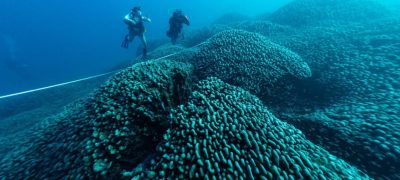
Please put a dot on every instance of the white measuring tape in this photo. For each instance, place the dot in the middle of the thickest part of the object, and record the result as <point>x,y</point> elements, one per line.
<point>83,79</point>
<point>56,85</point>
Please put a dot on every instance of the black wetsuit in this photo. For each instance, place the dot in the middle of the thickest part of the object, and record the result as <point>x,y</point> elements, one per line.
<point>175,26</point>
<point>135,22</point>
<point>137,28</point>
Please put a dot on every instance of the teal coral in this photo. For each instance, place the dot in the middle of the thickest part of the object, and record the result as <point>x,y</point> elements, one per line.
<point>198,36</point>
<point>231,18</point>
<point>130,110</point>
<point>141,123</point>
<point>355,75</point>
<point>316,12</point>
<point>164,50</point>
<point>54,149</point>
<point>356,81</point>
<point>171,52</point>
<point>265,28</point>
<point>248,60</point>
<point>225,132</point>
<point>113,129</point>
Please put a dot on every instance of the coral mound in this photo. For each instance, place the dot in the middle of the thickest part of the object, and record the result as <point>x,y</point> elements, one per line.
<point>353,95</point>
<point>171,52</point>
<point>248,60</point>
<point>130,110</point>
<point>225,132</point>
<point>164,50</point>
<point>117,128</point>
<point>231,18</point>
<point>195,37</point>
<point>314,12</point>
<point>266,28</point>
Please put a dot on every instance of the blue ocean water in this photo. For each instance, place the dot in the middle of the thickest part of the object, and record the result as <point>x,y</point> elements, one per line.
<point>290,89</point>
<point>47,42</point>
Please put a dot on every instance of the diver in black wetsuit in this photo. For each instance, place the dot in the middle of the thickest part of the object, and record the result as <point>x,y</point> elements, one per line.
<point>176,24</point>
<point>135,22</point>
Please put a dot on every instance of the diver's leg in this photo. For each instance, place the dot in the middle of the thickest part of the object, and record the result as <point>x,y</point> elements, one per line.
<point>173,40</point>
<point>143,39</point>
<point>144,42</point>
<point>131,36</point>
<point>174,37</point>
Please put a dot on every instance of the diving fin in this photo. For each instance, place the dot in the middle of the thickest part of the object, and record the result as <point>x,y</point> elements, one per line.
<point>125,42</point>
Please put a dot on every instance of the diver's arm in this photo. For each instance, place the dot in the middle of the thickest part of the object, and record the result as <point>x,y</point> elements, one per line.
<point>186,20</point>
<point>128,20</point>
<point>146,19</point>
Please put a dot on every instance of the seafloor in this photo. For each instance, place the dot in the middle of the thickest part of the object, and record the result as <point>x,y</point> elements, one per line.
<point>310,91</point>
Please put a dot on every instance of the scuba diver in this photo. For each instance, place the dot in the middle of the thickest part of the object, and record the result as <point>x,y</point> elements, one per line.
<point>175,25</point>
<point>135,22</point>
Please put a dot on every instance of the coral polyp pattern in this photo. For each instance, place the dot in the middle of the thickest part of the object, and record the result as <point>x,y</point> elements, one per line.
<point>224,132</point>
<point>310,91</point>
<point>248,60</point>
